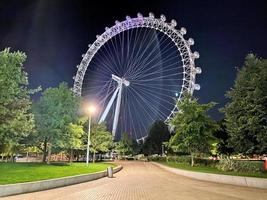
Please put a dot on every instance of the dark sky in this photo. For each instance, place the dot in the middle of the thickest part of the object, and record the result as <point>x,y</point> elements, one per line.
<point>55,33</point>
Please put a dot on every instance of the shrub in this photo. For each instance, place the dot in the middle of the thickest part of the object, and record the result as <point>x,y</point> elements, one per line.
<point>185,159</point>
<point>178,159</point>
<point>157,158</point>
<point>205,162</point>
<point>241,165</point>
<point>225,165</point>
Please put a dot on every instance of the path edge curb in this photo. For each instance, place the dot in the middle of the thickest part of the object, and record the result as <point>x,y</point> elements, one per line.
<point>20,188</point>
<point>218,178</point>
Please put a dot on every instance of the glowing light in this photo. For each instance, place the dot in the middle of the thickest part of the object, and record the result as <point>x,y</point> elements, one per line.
<point>91,109</point>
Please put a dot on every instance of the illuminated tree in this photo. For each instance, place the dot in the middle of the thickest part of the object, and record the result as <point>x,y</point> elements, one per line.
<point>16,121</point>
<point>246,112</point>
<point>56,109</point>
<point>193,127</point>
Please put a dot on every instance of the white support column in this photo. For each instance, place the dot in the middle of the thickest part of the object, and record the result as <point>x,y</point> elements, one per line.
<point>117,111</point>
<point>105,113</point>
<point>121,81</point>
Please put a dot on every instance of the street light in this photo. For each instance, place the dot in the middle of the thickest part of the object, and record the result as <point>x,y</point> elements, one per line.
<point>91,110</point>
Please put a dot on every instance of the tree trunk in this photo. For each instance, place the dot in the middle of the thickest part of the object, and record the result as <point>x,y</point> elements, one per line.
<point>44,150</point>
<point>192,160</point>
<point>27,156</point>
<point>71,156</point>
<point>49,145</point>
<point>94,157</point>
<point>13,158</point>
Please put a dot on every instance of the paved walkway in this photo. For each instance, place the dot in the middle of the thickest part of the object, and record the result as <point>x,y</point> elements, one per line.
<point>141,180</point>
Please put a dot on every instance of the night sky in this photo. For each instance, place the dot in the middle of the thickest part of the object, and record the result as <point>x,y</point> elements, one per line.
<point>55,33</point>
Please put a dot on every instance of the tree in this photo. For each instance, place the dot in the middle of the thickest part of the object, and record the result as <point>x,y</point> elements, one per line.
<point>125,145</point>
<point>101,139</point>
<point>16,121</point>
<point>71,138</point>
<point>158,133</point>
<point>136,147</point>
<point>27,144</point>
<point>246,112</point>
<point>56,109</point>
<point>193,127</point>
<point>223,137</point>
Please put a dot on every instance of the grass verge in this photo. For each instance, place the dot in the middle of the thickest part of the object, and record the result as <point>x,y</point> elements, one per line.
<point>26,172</point>
<point>208,169</point>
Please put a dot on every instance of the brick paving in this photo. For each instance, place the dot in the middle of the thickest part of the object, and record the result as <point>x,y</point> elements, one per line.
<point>142,180</point>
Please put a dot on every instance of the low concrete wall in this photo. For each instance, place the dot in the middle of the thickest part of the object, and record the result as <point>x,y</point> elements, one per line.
<point>19,188</point>
<point>219,178</point>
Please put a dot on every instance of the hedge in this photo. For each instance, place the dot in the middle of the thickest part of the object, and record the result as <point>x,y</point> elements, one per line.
<point>223,165</point>
<point>241,165</point>
<point>184,159</point>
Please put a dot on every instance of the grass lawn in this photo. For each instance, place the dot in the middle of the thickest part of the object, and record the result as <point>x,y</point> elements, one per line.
<point>214,170</point>
<point>26,172</point>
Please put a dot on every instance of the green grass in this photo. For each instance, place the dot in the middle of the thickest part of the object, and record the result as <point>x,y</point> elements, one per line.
<point>208,169</point>
<point>26,172</point>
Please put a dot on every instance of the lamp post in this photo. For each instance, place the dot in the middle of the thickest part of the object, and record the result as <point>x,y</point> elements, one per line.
<point>91,110</point>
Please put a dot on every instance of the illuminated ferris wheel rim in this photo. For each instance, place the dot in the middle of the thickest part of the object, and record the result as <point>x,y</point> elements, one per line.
<point>158,24</point>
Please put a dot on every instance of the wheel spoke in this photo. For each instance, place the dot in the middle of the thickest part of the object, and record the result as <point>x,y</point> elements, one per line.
<point>154,58</point>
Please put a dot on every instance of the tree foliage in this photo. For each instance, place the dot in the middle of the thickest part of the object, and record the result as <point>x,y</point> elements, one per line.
<point>246,112</point>
<point>71,139</point>
<point>221,134</point>
<point>101,139</point>
<point>16,120</point>
<point>193,127</point>
<point>56,109</point>
<point>125,145</point>
<point>158,133</point>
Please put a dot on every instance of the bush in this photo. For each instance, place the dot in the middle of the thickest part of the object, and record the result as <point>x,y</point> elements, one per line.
<point>205,162</point>
<point>241,165</point>
<point>185,159</point>
<point>157,158</point>
<point>225,165</point>
<point>179,159</point>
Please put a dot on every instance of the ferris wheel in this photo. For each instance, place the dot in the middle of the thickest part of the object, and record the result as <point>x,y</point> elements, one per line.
<point>135,71</point>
